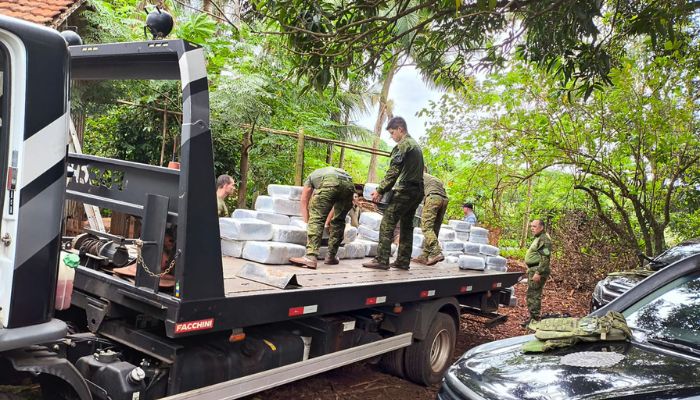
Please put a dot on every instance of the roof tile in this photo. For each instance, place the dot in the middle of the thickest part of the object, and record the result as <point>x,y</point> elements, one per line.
<point>40,11</point>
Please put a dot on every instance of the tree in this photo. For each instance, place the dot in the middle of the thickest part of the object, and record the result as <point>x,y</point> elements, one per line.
<point>632,148</point>
<point>579,40</point>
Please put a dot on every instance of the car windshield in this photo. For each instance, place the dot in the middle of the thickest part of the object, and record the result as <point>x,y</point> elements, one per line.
<point>674,254</point>
<point>670,315</point>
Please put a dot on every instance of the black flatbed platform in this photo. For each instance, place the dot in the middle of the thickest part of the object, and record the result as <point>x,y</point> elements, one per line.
<point>327,290</point>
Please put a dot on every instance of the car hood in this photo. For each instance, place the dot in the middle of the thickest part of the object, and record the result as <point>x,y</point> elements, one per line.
<point>505,372</point>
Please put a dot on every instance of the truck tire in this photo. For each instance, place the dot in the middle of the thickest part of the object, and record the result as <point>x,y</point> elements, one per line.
<point>425,361</point>
<point>392,363</point>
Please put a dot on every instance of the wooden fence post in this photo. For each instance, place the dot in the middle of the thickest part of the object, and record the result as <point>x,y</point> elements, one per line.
<point>299,171</point>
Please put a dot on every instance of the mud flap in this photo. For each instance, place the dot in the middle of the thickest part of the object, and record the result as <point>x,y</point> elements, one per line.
<point>39,360</point>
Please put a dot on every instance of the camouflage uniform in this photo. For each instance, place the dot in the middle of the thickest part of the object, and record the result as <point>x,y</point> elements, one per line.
<point>405,177</point>
<point>537,260</point>
<point>434,208</point>
<point>222,210</point>
<point>333,189</point>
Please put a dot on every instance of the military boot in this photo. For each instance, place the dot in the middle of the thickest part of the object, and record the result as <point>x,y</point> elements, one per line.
<point>421,259</point>
<point>402,266</point>
<point>331,260</point>
<point>435,260</point>
<point>376,264</point>
<point>306,261</point>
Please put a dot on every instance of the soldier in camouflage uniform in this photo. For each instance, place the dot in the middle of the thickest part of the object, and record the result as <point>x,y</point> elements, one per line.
<point>405,177</point>
<point>434,208</point>
<point>332,189</point>
<point>537,260</point>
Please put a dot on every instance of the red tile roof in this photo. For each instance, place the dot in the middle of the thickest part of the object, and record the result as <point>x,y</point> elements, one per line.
<point>46,12</point>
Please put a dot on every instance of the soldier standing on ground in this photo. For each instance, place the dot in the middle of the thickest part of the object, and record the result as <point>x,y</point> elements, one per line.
<point>434,208</point>
<point>225,187</point>
<point>405,177</point>
<point>332,189</point>
<point>537,260</point>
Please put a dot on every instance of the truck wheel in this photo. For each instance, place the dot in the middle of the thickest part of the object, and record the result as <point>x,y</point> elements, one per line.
<point>426,361</point>
<point>392,362</point>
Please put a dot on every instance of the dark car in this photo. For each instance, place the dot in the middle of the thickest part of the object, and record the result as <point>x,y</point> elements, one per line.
<point>661,361</point>
<point>612,286</point>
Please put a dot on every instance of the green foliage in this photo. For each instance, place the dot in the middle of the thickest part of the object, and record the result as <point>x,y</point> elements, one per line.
<point>630,151</point>
<point>579,41</point>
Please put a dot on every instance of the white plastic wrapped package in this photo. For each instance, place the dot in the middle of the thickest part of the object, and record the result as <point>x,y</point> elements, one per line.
<point>245,229</point>
<point>368,189</point>
<point>272,252</point>
<point>370,247</point>
<point>278,205</point>
<point>478,231</point>
<point>478,239</point>
<point>496,261</point>
<point>288,234</point>
<point>289,192</point>
<point>452,259</point>
<point>463,236</point>
<point>355,250</point>
<point>471,248</point>
<point>323,251</point>
<point>276,219</point>
<point>416,251</point>
<point>452,246</point>
<point>371,220</point>
<point>350,234</point>
<point>232,248</point>
<point>298,223</point>
<point>460,226</point>
<point>368,234</point>
<point>452,253</point>
<point>496,268</point>
<point>418,240</point>
<point>264,203</point>
<point>471,262</point>
<point>417,230</point>
<point>488,250</point>
<point>446,234</point>
<point>243,213</point>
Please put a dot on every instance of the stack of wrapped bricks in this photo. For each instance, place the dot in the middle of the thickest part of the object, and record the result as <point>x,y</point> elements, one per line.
<point>275,231</point>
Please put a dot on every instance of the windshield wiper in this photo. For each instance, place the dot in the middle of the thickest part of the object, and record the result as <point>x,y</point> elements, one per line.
<point>675,343</point>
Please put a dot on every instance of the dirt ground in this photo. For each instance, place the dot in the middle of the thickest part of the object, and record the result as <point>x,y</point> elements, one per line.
<point>364,381</point>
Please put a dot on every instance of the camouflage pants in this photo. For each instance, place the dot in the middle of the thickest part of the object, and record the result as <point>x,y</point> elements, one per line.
<point>534,293</point>
<point>401,209</point>
<point>434,209</point>
<point>336,195</point>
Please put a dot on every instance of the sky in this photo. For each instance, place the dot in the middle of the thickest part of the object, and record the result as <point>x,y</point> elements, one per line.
<point>410,95</point>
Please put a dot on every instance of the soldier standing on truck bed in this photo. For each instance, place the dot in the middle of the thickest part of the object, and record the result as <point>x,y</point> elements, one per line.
<point>434,208</point>
<point>332,189</point>
<point>405,177</point>
<point>537,260</point>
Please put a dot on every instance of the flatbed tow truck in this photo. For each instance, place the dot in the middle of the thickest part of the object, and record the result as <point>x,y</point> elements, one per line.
<point>228,328</point>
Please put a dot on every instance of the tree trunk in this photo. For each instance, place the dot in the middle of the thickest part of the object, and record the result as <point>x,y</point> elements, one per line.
<point>526,215</point>
<point>341,158</point>
<point>381,116</point>
<point>243,184</point>
<point>329,154</point>
<point>299,168</point>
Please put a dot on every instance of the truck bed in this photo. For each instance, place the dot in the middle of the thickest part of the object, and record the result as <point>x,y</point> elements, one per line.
<point>349,273</point>
<point>327,290</point>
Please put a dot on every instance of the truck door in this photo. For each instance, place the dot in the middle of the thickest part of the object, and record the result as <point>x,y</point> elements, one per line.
<point>33,146</point>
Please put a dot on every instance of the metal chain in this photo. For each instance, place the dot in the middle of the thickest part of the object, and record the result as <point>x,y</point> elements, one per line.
<point>139,260</point>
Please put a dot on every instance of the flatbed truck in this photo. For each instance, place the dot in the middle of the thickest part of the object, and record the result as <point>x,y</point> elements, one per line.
<point>228,328</point>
